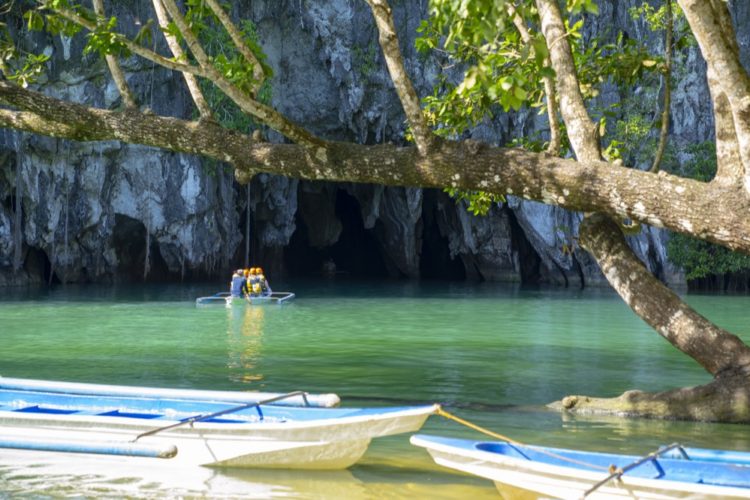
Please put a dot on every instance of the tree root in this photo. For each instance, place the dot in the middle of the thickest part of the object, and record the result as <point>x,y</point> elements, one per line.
<point>725,399</point>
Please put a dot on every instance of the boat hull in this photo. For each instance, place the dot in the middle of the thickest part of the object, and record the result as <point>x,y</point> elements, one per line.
<point>78,388</point>
<point>265,436</point>
<point>569,482</point>
<point>276,298</point>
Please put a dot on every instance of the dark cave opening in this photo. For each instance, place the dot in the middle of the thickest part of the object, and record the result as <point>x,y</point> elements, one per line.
<point>528,259</point>
<point>38,264</point>
<point>435,262</point>
<point>129,242</point>
<point>356,254</point>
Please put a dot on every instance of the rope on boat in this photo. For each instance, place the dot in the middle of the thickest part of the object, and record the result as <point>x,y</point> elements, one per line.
<point>470,425</point>
<point>495,435</point>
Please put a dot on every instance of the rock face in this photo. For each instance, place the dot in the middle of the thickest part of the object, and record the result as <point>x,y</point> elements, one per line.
<point>74,212</point>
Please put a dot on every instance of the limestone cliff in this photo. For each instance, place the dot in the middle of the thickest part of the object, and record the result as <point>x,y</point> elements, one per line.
<point>73,212</point>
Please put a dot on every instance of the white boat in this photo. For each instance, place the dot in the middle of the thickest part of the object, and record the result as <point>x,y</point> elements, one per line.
<point>192,432</point>
<point>224,298</point>
<point>58,387</point>
<point>522,471</point>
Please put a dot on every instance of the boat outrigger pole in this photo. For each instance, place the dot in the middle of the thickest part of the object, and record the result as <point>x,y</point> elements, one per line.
<point>616,473</point>
<point>207,416</point>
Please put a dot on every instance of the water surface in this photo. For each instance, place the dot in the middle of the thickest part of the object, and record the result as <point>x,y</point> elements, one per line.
<point>493,354</point>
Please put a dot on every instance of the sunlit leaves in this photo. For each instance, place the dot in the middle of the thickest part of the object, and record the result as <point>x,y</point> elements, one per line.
<point>105,40</point>
<point>656,19</point>
<point>226,58</point>
<point>22,68</point>
<point>501,72</point>
<point>478,202</point>
<point>582,6</point>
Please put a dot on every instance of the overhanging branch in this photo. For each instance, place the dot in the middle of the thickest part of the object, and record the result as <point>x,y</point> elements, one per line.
<point>423,135</point>
<point>661,200</point>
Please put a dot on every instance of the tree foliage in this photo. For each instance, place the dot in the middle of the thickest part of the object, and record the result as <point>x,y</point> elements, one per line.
<point>698,258</point>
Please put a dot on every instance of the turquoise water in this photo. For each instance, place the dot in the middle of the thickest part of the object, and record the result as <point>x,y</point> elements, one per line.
<point>493,354</point>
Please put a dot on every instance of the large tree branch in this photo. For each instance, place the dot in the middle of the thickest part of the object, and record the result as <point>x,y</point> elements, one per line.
<point>711,24</point>
<point>423,136</point>
<point>582,132</point>
<point>264,113</point>
<point>664,132</point>
<point>114,66</point>
<point>174,47</point>
<point>729,170</point>
<point>661,200</point>
<point>553,108</point>
<point>714,348</point>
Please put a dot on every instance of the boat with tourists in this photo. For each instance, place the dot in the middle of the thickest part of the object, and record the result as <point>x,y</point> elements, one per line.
<point>185,427</point>
<point>524,471</point>
<point>226,299</point>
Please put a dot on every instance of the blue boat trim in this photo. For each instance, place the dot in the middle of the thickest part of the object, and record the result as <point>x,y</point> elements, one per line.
<point>710,467</point>
<point>168,409</point>
<point>129,414</point>
<point>40,409</point>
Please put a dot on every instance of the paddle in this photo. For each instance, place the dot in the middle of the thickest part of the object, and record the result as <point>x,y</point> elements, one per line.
<point>245,406</point>
<point>617,473</point>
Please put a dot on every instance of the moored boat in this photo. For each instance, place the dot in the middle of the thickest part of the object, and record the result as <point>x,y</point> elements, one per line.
<point>196,432</point>
<point>537,471</point>
<point>55,387</point>
<point>224,298</point>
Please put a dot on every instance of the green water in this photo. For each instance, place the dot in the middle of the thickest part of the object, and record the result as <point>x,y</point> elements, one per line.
<point>493,354</point>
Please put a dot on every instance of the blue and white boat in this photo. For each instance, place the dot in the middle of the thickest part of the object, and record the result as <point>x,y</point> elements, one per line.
<point>225,299</point>
<point>523,471</point>
<point>181,428</point>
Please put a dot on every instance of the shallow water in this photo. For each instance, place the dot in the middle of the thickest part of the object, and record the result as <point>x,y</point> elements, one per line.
<point>492,354</point>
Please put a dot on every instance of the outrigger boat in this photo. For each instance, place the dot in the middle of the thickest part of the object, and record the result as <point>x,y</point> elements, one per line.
<point>186,429</point>
<point>224,298</point>
<point>523,471</point>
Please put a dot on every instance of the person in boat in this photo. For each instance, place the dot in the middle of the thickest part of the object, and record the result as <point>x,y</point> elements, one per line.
<point>253,284</point>
<point>246,283</point>
<point>265,288</point>
<point>237,284</point>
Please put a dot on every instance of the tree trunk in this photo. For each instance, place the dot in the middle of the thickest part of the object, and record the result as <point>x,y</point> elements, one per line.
<point>722,354</point>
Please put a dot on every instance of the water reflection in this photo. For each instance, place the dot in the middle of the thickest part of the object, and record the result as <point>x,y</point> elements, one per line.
<point>641,436</point>
<point>244,339</point>
<point>39,475</point>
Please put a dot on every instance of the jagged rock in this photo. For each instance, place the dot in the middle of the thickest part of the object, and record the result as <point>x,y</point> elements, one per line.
<point>188,215</point>
<point>7,247</point>
<point>483,243</point>
<point>400,230</point>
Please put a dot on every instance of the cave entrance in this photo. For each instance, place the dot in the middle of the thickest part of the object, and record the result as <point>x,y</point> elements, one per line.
<point>129,242</point>
<point>356,254</point>
<point>435,262</point>
<point>528,259</point>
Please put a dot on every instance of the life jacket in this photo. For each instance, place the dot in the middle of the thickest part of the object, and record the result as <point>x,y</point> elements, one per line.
<point>253,285</point>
